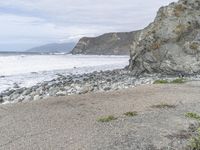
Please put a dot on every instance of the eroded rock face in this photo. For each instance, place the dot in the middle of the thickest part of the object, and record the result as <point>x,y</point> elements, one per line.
<point>171,44</point>
<point>107,44</point>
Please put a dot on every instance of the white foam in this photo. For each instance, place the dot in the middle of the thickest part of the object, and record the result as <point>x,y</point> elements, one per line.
<point>28,70</point>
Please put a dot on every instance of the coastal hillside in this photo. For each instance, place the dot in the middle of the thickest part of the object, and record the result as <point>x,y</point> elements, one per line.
<point>53,48</point>
<point>171,44</point>
<point>106,44</point>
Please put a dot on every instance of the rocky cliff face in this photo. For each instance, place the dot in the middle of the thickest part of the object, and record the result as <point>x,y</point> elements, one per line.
<point>171,44</point>
<point>107,44</point>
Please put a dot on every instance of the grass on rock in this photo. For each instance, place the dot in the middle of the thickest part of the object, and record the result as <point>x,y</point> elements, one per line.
<point>131,114</point>
<point>160,82</point>
<point>194,46</point>
<point>176,81</point>
<point>195,141</point>
<point>193,116</point>
<point>107,118</point>
<point>163,106</point>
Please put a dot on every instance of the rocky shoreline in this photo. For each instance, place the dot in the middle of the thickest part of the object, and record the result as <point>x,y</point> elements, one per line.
<point>79,84</point>
<point>76,84</point>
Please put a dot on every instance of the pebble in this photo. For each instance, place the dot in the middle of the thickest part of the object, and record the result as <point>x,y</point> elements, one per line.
<point>61,93</point>
<point>36,97</point>
<point>75,84</point>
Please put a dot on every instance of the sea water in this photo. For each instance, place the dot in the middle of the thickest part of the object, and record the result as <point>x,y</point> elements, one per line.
<point>27,70</point>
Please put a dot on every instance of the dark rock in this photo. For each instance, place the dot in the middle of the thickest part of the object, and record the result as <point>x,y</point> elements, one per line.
<point>109,80</point>
<point>16,86</point>
<point>8,92</point>
<point>19,91</point>
<point>27,92</point>
<point>1,99</point>
<point>107,89</point>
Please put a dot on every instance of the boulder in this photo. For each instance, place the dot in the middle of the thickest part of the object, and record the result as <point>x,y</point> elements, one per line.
<point>61,93</point>
<point>85,89</point>
<point>171,44</point>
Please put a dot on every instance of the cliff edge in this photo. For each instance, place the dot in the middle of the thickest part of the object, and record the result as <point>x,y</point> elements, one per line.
<point>106,44</point>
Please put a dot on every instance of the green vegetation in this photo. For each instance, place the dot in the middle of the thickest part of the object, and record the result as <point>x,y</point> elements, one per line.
<point>195,141</point>
<point>131,114</point>
<point>194,46</point>
<point>193,116</point>
<point>106,119</point>
<point>161,82</point>
<point>163,106</point>
<point>176,81</point>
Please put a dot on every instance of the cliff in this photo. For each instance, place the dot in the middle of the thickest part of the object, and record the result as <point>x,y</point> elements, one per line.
<point>107,44</point>
<point>171,44</point>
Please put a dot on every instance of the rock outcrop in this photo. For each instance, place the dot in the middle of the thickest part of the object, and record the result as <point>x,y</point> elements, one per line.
<point>107,44</point>
<point>171,44</point>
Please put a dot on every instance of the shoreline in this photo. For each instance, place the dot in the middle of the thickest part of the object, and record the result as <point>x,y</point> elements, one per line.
<point>79,84</point>
<point>16,69</point>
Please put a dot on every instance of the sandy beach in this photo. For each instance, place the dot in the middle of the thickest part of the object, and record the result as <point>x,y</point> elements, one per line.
<point>87,75</point>
<point>72,122</point>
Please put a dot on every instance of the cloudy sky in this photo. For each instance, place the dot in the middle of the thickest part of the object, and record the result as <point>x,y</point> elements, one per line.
<point>28,23</point>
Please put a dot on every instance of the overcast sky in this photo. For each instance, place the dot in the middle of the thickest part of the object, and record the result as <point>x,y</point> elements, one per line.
<point>28,23</point>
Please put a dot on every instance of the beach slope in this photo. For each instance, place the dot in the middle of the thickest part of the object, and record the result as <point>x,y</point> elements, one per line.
<point>80,122</point>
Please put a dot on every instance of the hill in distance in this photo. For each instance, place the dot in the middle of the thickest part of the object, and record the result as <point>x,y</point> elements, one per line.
<point>53,48</point>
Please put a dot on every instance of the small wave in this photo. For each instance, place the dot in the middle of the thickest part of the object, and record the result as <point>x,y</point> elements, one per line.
<point>34,72</point>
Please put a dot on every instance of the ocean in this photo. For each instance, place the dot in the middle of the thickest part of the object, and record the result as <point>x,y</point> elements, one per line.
<point>28,69</point>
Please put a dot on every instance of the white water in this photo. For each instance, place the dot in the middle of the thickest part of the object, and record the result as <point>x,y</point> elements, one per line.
<point>28,70</point>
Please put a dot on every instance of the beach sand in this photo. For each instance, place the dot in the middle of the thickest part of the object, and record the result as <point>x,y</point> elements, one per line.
<point>71,122</point>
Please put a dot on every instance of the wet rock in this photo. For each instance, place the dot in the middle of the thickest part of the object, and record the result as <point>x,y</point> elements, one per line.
<point>27,92</point>
<point>79,84</point>
<point>6,98</point>
<point>107,88</point>
<point>1,99</point>
<point>14,96</point>
<point>8,92</point>
<point>16,86</point>
<point>108,80</point>
<point>19,91</point>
